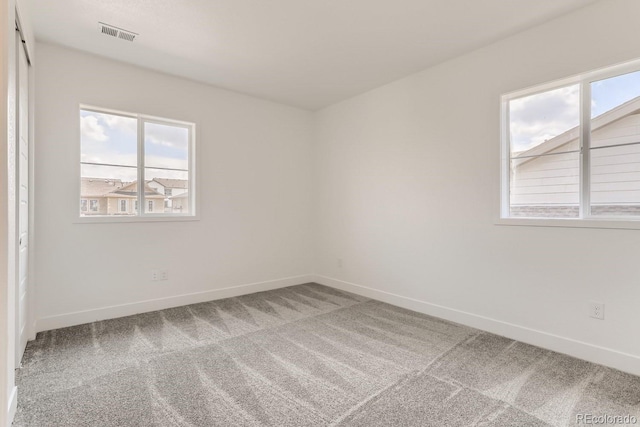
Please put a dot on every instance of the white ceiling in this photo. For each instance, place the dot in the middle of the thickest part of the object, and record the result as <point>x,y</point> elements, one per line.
<point>306,53</point>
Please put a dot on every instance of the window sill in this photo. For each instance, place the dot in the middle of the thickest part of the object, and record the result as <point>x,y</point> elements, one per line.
<point>623,224</point>
<point>119,219</point>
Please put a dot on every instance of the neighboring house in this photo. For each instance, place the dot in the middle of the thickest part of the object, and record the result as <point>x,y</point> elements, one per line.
<point>549,185</point>
<point>92,195</point>
<point>180,203</point>
<point>169,188</point>
<point>99,196</point>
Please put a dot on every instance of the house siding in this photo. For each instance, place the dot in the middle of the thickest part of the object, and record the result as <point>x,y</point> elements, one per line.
<point>548,186</point>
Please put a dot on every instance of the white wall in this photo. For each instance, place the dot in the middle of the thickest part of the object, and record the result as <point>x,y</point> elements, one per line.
<point>407,194</point>
<point>254,184</point>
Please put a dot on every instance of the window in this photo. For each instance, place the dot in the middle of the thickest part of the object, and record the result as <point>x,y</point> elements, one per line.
<point>120,150</point>
<point>83,205</point>
<point>572,149</point>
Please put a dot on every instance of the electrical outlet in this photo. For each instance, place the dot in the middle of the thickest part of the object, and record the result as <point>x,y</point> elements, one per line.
<point>596,310</point>
<point>164,274</point>
<point>155,275</point>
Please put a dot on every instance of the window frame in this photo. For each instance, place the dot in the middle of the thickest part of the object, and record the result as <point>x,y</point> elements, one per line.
<point>585,218</point>
<point>140,215</point>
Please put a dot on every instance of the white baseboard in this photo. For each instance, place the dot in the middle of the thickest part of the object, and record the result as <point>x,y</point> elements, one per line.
<point>582,350</point>
<point>13,405</point>
<point>112,312</point>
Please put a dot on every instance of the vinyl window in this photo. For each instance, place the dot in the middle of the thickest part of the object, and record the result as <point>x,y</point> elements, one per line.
<point>571,149</point>
<point>119,150</point>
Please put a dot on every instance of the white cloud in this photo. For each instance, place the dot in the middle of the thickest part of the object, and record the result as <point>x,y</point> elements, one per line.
<point>537,118</point>
<point>167,136</point>
<point>91,129</point>
<point>165,174</point>
<point>165,162</point>
<point>125,125</point>
<point>111,139</point>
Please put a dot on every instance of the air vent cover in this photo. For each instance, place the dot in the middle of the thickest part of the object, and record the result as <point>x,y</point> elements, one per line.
<point>110,30</point>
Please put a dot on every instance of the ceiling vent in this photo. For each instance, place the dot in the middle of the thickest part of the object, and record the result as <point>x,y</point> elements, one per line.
<point>110,30</point>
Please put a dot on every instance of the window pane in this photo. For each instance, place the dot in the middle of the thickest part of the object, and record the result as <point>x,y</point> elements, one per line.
<point>108,139</point>
<point>615,181</point>
<point>545,186</point>
<point>168,189</point>
<point>104,187</point>
<point>166,146</point>
<point>546,122</point>
<point>615,146</point>
<point>615,105</point>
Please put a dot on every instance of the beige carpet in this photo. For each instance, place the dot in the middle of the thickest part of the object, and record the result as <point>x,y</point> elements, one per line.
<point>305,355</point>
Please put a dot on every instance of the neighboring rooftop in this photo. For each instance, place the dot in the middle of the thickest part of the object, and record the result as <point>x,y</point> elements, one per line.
<point>131,190</point>
<point>98,187</point>
<point>184,195</point>
<point>172,183</point>
<point>101,187</point>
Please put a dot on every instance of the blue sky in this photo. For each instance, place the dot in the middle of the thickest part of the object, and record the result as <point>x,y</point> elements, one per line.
<point>609,93</point>
<point>112,139</point>
<point>537,118</point>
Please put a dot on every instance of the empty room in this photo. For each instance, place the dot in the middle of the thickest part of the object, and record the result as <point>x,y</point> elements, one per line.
<point>320,213</point>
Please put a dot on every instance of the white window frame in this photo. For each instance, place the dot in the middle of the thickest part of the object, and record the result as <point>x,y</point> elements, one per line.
<point>126,206</point>
<point>140,215</point>
<point>97,209</point>
<point>84,202</point>
<point>585,219</point>
<point>150,205</point>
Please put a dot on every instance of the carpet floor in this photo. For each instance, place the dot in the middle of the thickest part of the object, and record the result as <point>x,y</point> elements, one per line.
<point>305,355</point>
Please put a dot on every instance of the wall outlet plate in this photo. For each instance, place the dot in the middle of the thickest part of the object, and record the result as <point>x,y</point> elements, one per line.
<point>596,310</point>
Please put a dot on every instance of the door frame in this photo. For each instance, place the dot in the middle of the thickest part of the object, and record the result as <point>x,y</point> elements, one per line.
<point>28,306</point>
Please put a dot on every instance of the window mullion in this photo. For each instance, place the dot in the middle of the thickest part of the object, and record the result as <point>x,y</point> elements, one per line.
<point>585,149</point>
<point>192,171</point>
<point>140,167</point>
<point>505,187</point>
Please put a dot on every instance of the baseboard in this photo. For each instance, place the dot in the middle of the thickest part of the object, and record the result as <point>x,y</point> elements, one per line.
<point>112,312</point>
<point>581,350</point>
<point>13,405</point>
